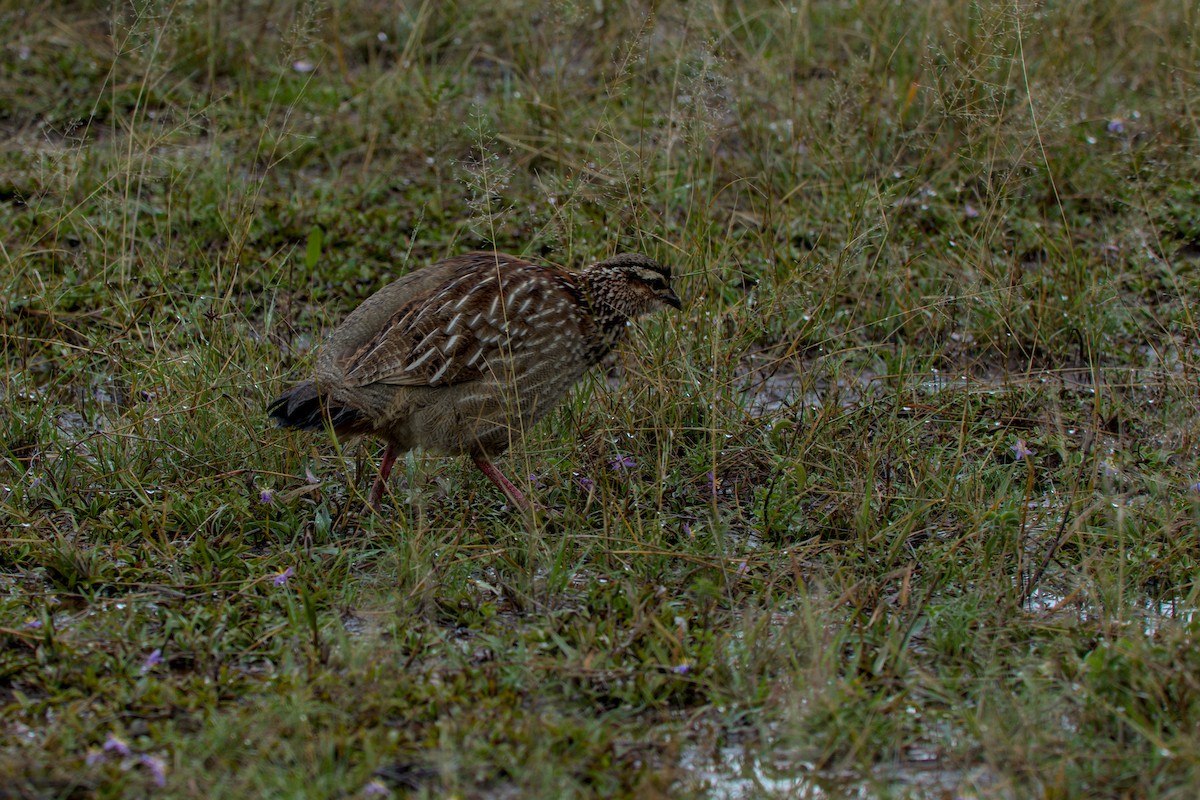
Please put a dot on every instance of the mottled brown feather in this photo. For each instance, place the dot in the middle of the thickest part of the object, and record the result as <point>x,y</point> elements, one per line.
<point>463,356</point>
<point>459,331</point>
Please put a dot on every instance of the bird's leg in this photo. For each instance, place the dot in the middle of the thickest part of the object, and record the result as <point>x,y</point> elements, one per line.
<point>385,469</point>
<point>506,486</point>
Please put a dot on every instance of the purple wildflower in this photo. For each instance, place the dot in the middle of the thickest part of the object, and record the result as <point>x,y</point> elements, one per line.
<point>536,483</point>
<point>115,744</point>
<point>282,577</point>
<point>624,462</point>
<point>33,623</point>
<point>688,530</point>
<point>1195,487</point>
<point>266,497</point>
<point>158,769</point>
<point>586,483</point>
<point>152,661</point>
<point>1021,450</point>
<point>970,211</point>
<point>714,483</point>
<point>682,668</point>
<point>95,757</point>
<point>1115,126</point>
<point>376,789</point>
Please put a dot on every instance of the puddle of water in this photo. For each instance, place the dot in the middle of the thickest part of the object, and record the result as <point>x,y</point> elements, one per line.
<point>733,773</point>
<point>1151,614</point>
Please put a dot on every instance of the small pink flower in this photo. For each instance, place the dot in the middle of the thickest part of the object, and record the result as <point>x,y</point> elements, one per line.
<point>115,744</point>
<point>157,769</point>
<point>1021,450</point>
<point>152,661</point>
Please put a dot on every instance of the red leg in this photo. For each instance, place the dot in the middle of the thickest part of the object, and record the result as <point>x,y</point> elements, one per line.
<point>385,469</point>
<point>493,474</point>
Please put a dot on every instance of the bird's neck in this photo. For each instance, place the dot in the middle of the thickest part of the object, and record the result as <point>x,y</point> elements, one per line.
<point>601,298</point>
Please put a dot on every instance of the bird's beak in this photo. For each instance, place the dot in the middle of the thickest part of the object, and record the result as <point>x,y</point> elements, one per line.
<point>670,298</point>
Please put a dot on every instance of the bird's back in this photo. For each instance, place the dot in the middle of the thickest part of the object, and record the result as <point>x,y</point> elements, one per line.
<point>463,355</point>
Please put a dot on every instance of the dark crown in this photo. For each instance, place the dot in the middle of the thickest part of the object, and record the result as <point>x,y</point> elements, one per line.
<point>635,261</point>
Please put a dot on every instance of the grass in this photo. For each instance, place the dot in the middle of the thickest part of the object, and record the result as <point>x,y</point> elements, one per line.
<point>901,505</point>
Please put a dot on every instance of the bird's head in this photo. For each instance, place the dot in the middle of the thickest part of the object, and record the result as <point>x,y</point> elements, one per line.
<point>631,284</point>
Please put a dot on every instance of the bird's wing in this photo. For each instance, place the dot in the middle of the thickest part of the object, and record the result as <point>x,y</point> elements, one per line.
<point>465,328</point>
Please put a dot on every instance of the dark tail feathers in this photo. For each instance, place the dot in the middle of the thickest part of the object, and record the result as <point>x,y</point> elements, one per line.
<point>304,407</point>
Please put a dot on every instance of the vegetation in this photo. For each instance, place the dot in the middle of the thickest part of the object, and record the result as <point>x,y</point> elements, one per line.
<point>903,504</point>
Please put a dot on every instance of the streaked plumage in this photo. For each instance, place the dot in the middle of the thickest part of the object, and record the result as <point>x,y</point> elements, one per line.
<point>464,355</point>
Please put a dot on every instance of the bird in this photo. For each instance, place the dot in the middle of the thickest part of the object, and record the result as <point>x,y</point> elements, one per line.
<point>460,357</point>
